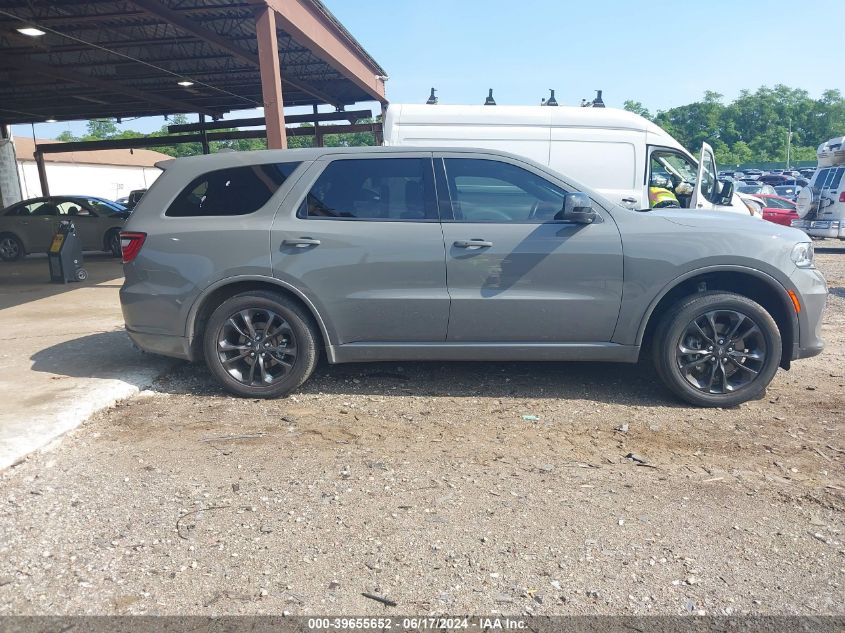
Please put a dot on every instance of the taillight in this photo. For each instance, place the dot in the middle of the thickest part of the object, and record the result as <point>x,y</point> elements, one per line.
<point>130,245</point>
<point>842,197</point>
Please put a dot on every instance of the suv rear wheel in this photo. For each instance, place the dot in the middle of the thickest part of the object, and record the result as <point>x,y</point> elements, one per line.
<point>717,349</point>
<point>260,345</point>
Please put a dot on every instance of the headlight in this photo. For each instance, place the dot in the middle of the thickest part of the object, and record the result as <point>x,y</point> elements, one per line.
<point>803,255</point>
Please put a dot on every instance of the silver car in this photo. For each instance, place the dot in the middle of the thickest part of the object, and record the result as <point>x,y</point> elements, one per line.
<point>260,262</point>
<point>29,226</point>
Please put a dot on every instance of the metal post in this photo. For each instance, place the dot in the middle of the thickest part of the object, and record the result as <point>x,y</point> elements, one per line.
<point>42,172</point>
<point>379,133</point>
<point>204,134</point>
<point>318,136</point>
<point>271,77</point>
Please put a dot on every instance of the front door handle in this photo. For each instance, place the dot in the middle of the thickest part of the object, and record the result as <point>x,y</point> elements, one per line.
<point>473,244</point>
<point>302,242</point>
<point>630,200</point>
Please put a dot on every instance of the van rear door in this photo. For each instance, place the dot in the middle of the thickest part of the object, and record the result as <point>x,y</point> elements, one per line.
<point>706,186</point>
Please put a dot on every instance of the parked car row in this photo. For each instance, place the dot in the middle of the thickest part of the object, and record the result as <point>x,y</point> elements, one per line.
<point>782,182</point>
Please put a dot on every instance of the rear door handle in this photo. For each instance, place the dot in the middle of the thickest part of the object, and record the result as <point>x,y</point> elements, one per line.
<point>302,242</point>
<point>473,244</point>
<point>630,200</point>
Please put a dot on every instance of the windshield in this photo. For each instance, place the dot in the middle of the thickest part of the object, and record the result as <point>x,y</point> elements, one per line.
<point>677,165</point>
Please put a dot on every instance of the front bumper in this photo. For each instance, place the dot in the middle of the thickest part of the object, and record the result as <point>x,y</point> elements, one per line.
<point>811,289</point>
<point>821,228</point>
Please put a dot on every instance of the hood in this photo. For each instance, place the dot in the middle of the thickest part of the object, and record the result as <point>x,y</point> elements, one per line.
<point>730,221</point>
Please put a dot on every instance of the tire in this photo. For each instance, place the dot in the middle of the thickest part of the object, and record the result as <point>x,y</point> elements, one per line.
<point>717,375</point>
<point>242,360</point>
<point>11,248</point>
<point>111,243</point>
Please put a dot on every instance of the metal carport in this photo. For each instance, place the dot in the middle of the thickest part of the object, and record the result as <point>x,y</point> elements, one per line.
<point>128,58</point>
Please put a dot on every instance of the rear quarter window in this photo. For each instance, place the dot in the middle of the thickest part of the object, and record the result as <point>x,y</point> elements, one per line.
<point>837,178</point>
<point>232,191</point>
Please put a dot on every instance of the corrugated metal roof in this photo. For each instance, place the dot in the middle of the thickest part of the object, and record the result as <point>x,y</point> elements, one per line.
<point>113,58</point>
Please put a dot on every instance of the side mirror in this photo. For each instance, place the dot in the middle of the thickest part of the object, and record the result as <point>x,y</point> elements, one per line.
<point>577,208</point>
<point>727,192</point>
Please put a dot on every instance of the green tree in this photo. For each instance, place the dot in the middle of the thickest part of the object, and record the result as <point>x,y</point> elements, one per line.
<point>756,125</point>
<point>101,129</point>
<point>637,108</point>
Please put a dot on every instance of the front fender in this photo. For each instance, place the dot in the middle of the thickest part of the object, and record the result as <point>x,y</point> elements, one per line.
<point>776,286</point>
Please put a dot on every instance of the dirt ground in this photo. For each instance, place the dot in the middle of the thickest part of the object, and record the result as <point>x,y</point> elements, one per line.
<point>448,488</point>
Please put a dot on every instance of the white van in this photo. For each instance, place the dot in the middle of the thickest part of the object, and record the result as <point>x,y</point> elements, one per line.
<point>616,152</point>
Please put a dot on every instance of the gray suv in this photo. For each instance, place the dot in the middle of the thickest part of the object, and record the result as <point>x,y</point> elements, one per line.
<point>259,262</point>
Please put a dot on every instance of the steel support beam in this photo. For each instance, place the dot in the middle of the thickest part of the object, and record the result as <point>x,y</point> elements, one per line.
<point>42,173</point>
<point>271,77</point>
<point>186,24</point>
<point>204,135</point>
<point>317,33</point>
<point>155,8</point>
<point>345,115</point>
<point>160,141</point>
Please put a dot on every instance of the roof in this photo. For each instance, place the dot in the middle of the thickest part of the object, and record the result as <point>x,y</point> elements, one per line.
<point>222,160</point>
<point>560,116</point>
<point>25,148</point>
<point>113,58</point>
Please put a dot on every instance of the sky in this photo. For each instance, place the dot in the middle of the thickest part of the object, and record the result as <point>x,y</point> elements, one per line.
<point>663,53</point>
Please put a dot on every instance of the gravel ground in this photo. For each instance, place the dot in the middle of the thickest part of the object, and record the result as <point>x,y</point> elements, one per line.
<point>448,488</point>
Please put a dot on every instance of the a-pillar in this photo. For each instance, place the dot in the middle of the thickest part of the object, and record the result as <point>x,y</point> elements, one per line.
<point>271,77</point>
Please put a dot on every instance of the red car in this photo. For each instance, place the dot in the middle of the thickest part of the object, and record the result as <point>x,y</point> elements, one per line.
<point>778,210</point>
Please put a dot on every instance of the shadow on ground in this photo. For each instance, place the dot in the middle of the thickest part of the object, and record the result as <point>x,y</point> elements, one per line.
<point>29,279</point>
<point>601,382</point>
<point>104,355</point>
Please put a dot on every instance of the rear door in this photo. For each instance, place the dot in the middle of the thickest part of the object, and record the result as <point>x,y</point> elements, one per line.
<point>516,273</point>
<point>38,227</point>
<point>362,239</point>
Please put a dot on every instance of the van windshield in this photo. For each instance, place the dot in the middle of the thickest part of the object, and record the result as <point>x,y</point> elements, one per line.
<point>677,165</point>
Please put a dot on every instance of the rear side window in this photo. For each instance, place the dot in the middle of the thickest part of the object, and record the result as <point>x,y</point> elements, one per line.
<point>821,177</point>
<point>387,189</point>
<point>232,191</point>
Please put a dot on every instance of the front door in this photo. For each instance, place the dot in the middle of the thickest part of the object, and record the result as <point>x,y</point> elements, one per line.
<point>84,221</point>
<point>706,192</point>
<point>515,272</point>
<point>366,247</point>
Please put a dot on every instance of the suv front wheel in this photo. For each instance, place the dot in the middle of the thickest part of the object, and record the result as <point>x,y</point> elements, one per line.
<point>260,345</point>
<point>717,349</point>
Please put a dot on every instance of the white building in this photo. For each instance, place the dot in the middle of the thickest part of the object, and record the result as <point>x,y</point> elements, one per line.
<point>105,173</point>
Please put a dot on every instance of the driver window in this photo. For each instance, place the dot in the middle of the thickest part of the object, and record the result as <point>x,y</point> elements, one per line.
<point>73,209</point>
<point>493,191</point>
<point>671,179</point>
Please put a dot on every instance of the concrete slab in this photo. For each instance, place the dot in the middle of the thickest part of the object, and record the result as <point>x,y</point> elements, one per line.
<point>63,353</point>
